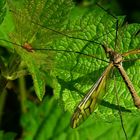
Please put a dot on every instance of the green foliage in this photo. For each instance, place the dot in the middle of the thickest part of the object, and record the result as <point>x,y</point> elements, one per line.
<point>47,121</point>
<point>62,32</point>
<point>2,10</point>
<point>7,136</point>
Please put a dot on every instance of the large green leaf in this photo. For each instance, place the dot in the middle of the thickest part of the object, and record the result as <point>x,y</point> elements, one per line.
<point>76,73</point>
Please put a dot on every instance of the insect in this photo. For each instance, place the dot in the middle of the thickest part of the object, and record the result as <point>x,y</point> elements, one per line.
<point>88,104</point>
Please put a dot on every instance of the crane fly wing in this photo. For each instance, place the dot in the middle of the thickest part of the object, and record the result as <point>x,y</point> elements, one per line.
<point>89,102</point>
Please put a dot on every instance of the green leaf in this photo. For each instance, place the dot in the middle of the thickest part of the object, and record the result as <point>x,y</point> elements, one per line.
<point>27,31</point>
<point>31,13</point>
<point>76,73</point>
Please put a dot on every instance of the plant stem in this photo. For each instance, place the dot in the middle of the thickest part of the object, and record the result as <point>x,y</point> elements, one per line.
<point>3,83</point>
<point>2,103</point>
<point>22,88</point>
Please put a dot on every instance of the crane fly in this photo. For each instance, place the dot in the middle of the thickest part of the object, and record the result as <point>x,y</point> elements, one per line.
<point>88,104</point>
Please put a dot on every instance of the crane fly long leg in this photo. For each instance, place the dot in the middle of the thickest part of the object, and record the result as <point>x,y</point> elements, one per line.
<point>131,52</point>
<point>136,98</point>
<point>89,102</point>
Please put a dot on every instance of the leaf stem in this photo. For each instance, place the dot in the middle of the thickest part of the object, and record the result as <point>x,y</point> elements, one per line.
<point>2,103</point>
<point>22,88</point>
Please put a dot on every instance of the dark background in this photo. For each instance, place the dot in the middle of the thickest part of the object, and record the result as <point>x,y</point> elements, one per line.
<point>130,8</point>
